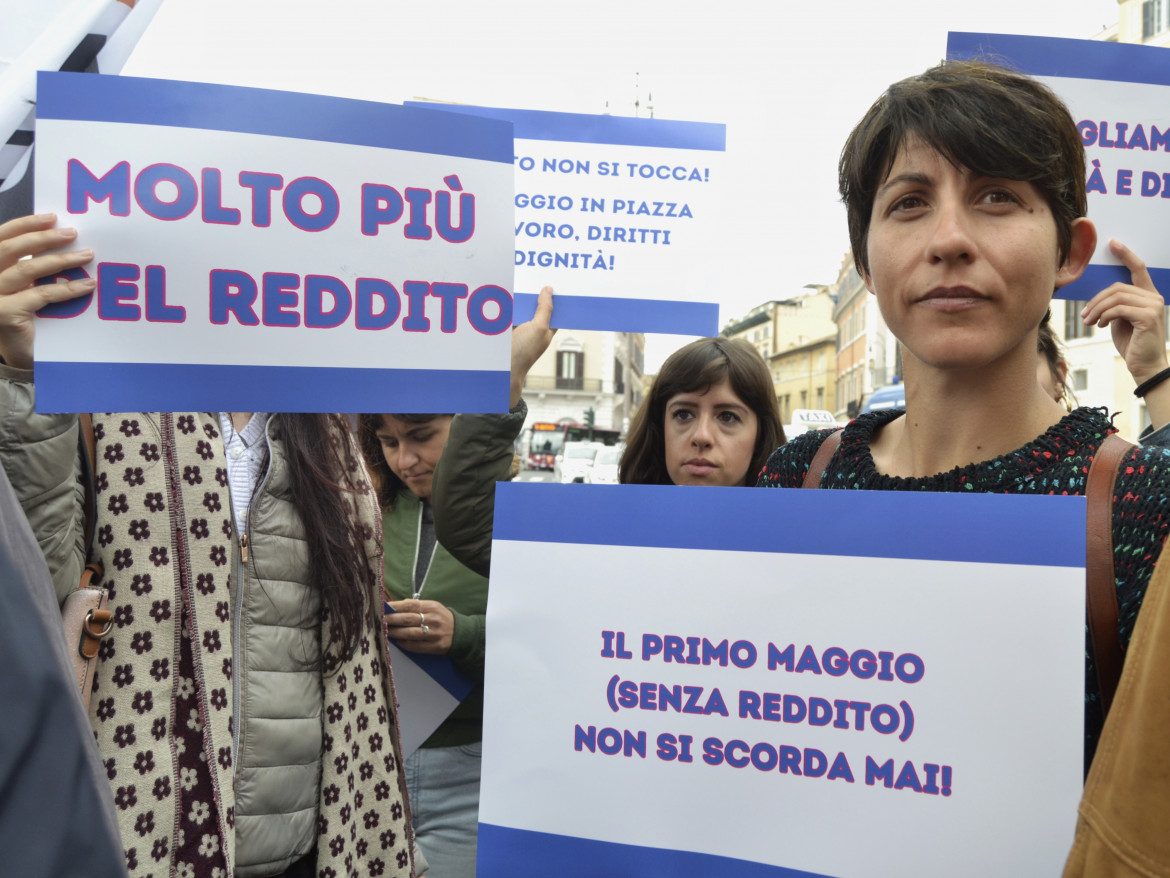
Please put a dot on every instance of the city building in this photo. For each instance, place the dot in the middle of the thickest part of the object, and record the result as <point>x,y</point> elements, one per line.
<point>805,376</point>
<point>583,370</point>
<point>1140,21</point>
<point>868,356</point>
<point>795,337</point>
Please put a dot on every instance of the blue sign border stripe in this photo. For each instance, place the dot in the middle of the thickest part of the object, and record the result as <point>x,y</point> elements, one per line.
<point>993,528</point>
<point>505,852</point>
<point>623,315</point>
<point>91,97</point>
<point>151,387</point>
<point>1098,277</point>
<point>1054,56</point>
<point>442,670</point>
<point>585,128</point>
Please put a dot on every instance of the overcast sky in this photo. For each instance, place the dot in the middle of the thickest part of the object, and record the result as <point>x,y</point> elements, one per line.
<point>788,79</point>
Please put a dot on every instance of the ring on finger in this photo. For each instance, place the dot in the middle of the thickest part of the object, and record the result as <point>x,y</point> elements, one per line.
<point>422,623</point>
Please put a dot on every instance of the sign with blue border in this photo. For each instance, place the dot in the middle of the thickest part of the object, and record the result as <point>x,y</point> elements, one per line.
<point>1119,95</point>
<point>781,683</point>
<point>620,215</point>
<point>428,688</point>
<point>262,250</point>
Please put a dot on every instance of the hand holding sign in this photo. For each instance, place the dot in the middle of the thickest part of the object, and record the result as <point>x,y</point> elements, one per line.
<point>19,299</point>
<point>529,341</point>
<point>1136,315</point>
<point>420,626</point>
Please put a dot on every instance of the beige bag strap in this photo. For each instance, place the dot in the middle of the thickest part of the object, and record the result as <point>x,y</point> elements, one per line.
<point>816,469</point>
<point>1101,580</point>
<point>85,614</point>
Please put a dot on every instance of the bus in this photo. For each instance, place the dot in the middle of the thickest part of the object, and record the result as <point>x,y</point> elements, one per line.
<point>545,440</point>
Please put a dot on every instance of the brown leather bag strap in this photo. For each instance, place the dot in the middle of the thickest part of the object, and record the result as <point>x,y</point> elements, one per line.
<point>1101,582</point>
<point>816,469</point>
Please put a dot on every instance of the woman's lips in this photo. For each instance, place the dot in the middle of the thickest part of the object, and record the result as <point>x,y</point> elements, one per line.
<point>952,298</point>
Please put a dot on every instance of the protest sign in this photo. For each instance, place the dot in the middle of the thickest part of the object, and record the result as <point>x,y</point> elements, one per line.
<point>1119,95</point>
<point>269,251</point>
<point>620,215</point>
<point>749,682</point>
<point>428,688</point>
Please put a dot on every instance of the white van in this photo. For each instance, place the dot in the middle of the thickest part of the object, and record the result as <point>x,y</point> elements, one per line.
<point>804,420</point>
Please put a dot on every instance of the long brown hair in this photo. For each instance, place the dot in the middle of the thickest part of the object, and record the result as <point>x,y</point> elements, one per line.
<point>325,482</point>
<point>695,367</point>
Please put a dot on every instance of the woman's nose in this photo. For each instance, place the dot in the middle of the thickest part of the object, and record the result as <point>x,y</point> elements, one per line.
<point>950,237</point>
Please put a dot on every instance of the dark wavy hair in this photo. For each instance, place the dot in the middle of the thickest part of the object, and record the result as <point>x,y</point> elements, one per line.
<point>696,367</point>
<point>386,484</point>
<point>980,116</point>
<point>325,481</point>
<point>1048,346</point>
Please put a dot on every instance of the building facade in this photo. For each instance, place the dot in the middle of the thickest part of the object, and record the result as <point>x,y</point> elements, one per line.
<point>868,356</point>
<point>583,370</point>
<point>805,376</point>
<point>796,338</point>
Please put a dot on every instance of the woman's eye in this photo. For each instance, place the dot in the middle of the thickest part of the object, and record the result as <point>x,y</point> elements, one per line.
<point>682,414</point>
<point>729,417</point>
<point>1000,196</point>
<point>906,202</point>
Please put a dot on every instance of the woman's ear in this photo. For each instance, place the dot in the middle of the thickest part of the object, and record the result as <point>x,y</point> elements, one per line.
<point>1080,251</point>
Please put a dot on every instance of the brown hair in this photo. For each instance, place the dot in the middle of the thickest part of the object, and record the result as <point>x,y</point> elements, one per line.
<point>1048,346</point>
<point>980,116</point>
<point>386,484</point>
<point>325,481</point>
<point>697,366</point>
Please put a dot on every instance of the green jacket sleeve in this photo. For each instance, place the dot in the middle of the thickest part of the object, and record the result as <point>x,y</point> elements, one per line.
<point>467,646</point>
<point>463,492</point>
<point>39,453</point>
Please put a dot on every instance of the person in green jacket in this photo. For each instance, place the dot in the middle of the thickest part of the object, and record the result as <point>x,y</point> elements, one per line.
<point>438,608</point>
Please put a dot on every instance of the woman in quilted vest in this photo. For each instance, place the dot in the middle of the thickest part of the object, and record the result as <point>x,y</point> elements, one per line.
<point>242,702</point>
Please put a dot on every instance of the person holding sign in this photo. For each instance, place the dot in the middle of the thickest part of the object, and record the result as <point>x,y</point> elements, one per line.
<point>1136,316</point>
<point>436,607</point>
<point>965,195</point>
<point>242,700</point>
<point>710,419</point>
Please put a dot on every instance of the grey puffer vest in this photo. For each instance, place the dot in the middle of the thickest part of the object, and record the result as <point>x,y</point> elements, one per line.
<point>277,685</point>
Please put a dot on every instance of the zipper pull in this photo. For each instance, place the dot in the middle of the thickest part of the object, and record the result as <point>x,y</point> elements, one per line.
<point>244,548</point>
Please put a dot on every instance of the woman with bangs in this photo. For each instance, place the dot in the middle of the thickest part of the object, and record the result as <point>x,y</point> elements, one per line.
<point>965,194</point>
<point>710,419</point>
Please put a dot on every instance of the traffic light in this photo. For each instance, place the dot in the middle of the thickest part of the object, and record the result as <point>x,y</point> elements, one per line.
<point>590,416</point>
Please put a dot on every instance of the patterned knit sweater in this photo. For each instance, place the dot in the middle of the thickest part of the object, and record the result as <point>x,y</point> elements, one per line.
<point>1055,463</point>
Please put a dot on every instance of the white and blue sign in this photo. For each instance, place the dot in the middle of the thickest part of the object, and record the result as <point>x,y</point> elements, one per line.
<point>1119,95</point>
<point>777,683</point>
<point>620,216</point>
<point>428,688</point>
<point>270,251</point>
